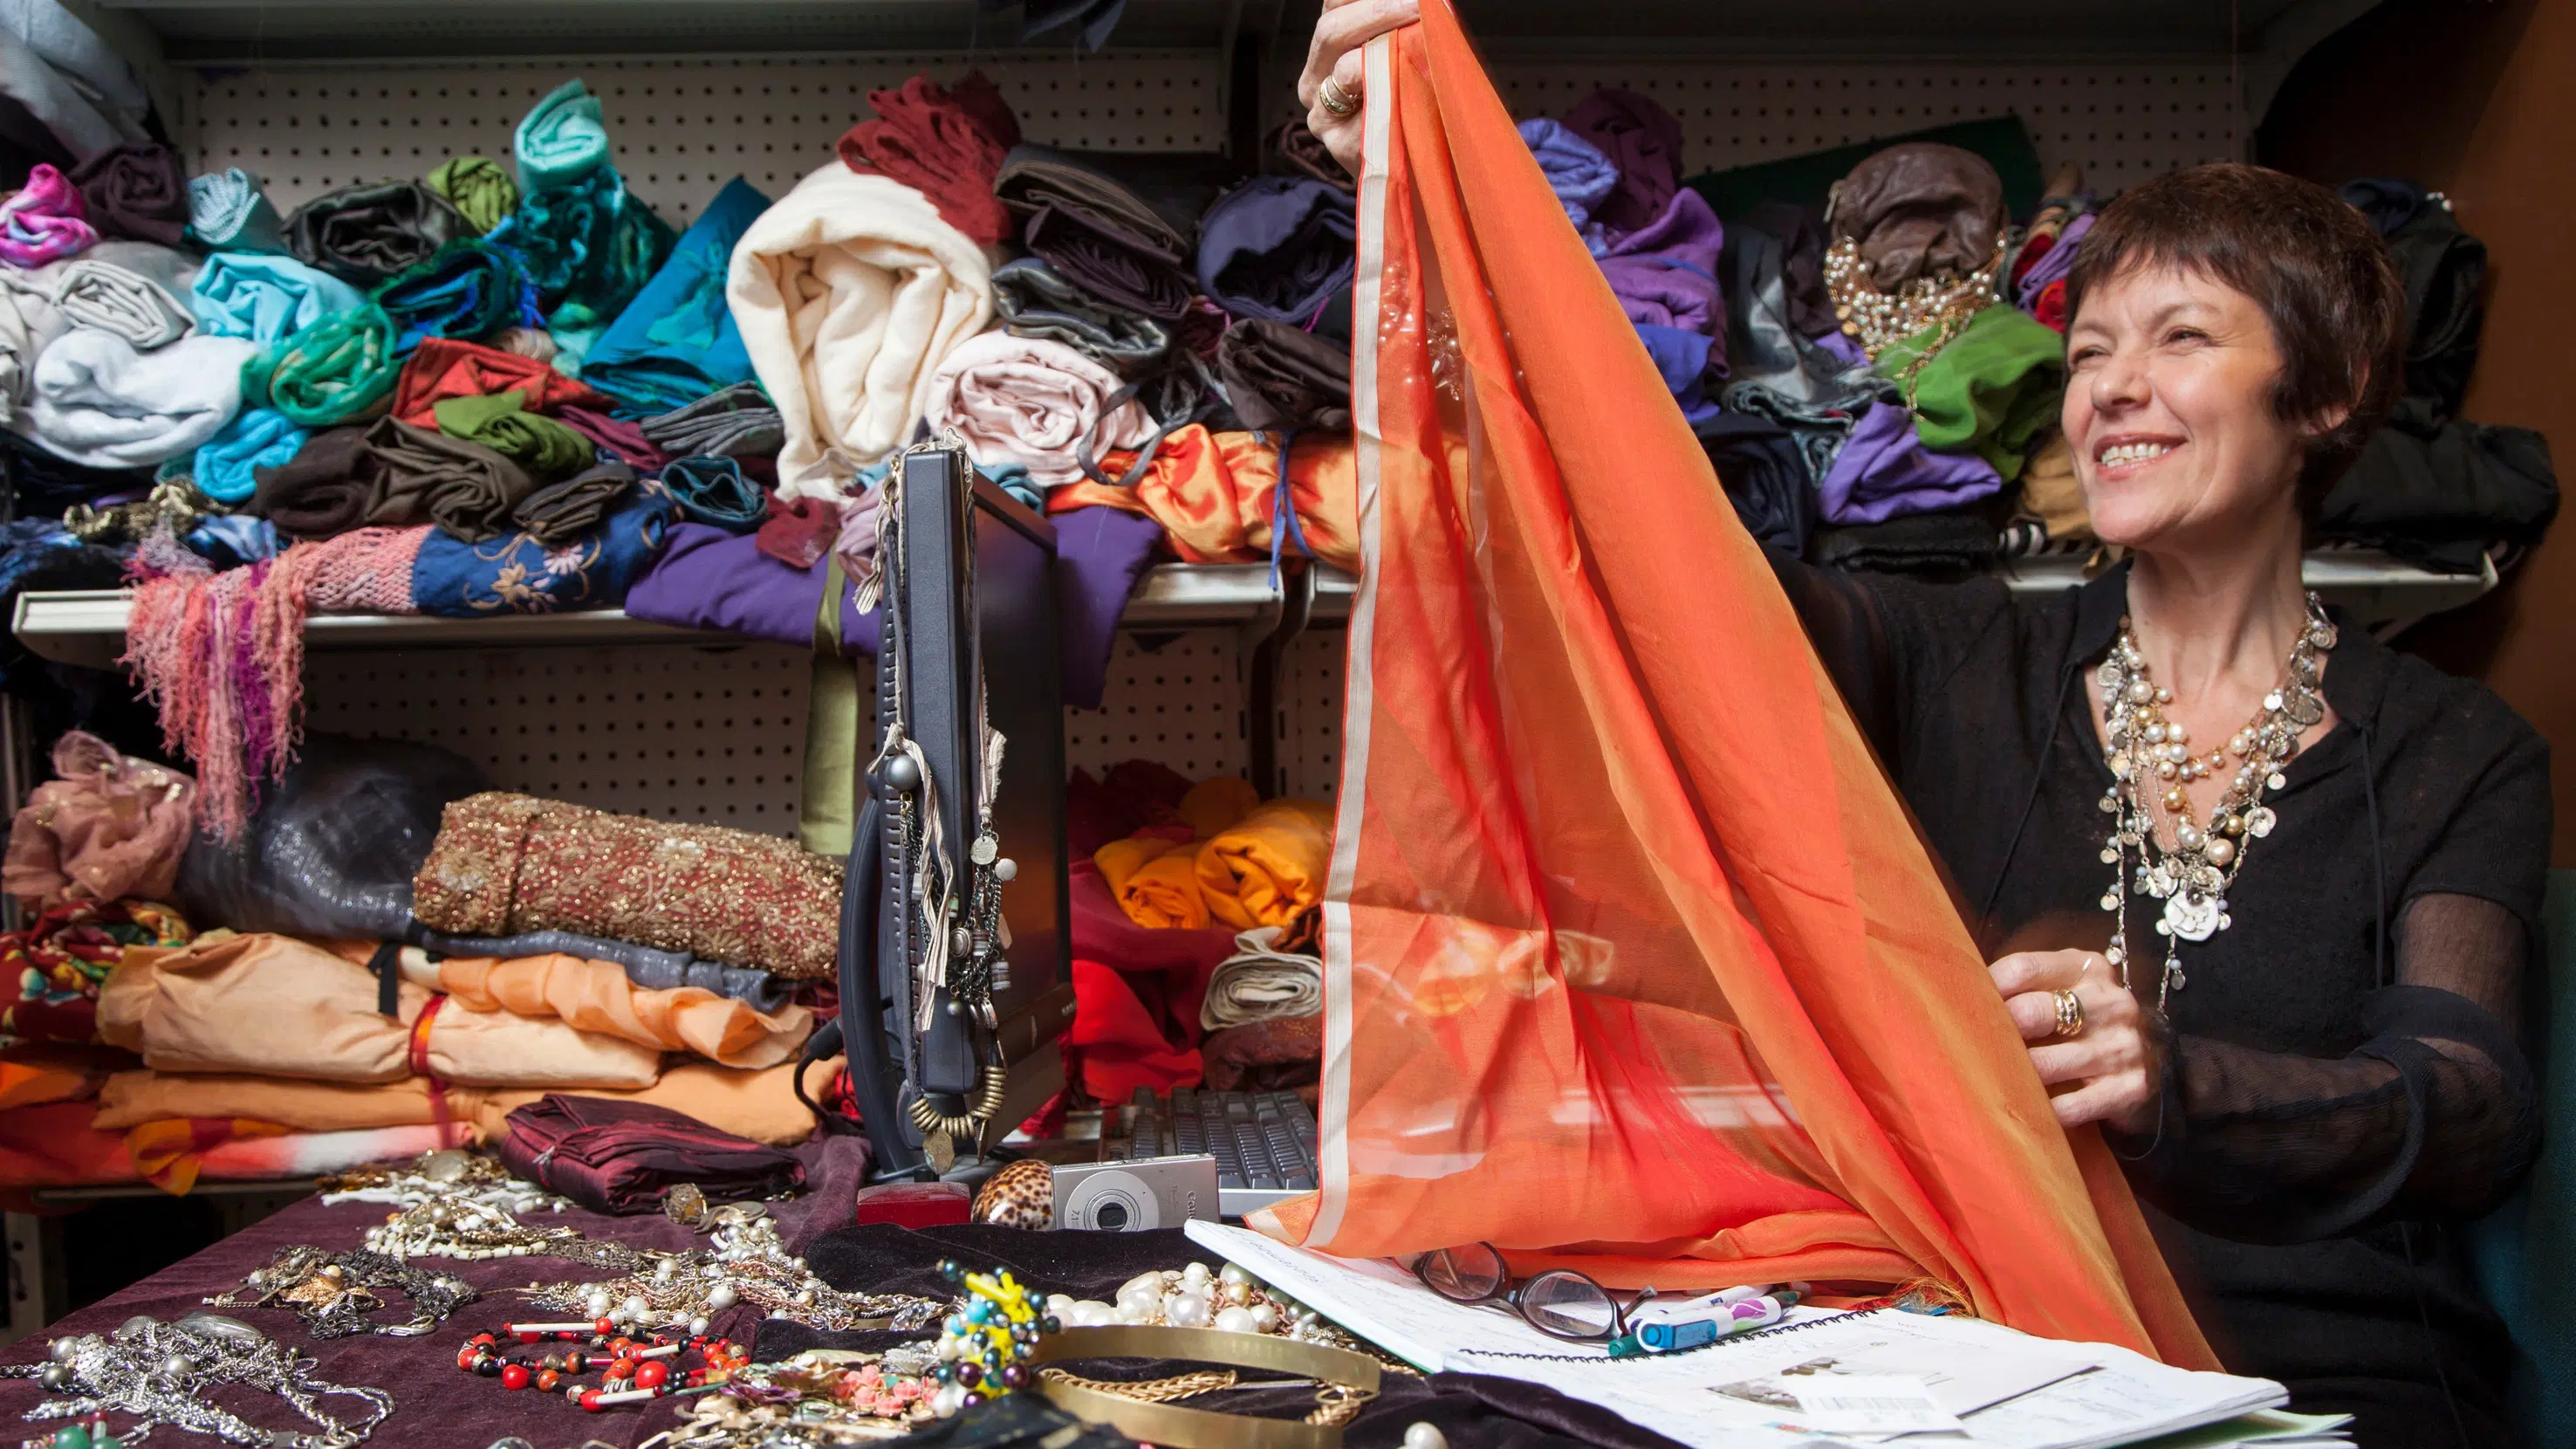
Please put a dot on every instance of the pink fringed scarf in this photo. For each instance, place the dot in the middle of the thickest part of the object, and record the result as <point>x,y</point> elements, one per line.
<point>221,655</point>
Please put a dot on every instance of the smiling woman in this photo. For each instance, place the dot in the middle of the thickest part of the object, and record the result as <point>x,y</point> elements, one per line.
<point>2305,1042</point>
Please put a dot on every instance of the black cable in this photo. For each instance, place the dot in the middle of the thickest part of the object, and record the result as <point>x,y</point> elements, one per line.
<point>2379,950</point>
<point>2003,867</point>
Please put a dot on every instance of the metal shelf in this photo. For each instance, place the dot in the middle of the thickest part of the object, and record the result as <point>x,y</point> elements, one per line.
<point>88,627</point>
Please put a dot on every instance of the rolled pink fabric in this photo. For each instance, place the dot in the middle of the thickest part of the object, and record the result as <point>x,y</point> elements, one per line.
<point>1030,401</point>
<point>44,220</point>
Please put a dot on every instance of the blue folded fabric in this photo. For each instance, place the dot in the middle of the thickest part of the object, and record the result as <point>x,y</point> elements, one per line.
<point>1576,171</point>
<point>255,438</point>
<point>712,489</point>
<point>1681,355</point>
<point>468,288</point>
<point>230,540</point>
<point>228,212</point>
<point>590,247</point>
<point>515,574</point>
<point>265,299</point>
<point>677,342</point>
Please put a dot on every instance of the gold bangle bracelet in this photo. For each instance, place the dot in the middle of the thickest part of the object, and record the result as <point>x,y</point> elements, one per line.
<point>1354,1376</point>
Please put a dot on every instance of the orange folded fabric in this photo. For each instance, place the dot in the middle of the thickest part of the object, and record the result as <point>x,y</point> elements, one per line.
<point>1214,494</point>
<point>1155,880</point>
<point>1632,956</point>
<point>1267,869</point>
<point>1213,804</point>
<point>759,1105</point>
<point>170,1154</point>
<point>597,997</point>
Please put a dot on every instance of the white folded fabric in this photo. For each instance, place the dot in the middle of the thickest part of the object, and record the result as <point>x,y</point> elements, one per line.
<point>848,293</point>
<point>135,290</point>
<point>1258,983</point>
<point>1031,401</point>
<point>96,401</point>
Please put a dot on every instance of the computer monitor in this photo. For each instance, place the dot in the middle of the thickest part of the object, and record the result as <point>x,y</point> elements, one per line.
<point>976,574</point>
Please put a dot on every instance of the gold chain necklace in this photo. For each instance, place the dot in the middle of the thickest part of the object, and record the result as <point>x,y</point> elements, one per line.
<point>2152,764</point>
<point>1880,320</point>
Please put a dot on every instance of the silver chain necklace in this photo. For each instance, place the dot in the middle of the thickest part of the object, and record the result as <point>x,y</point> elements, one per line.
<point>164,1373</point>
<point>2153,765</point>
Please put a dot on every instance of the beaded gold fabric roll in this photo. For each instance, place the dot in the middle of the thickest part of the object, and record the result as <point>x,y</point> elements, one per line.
<point>505,864</point>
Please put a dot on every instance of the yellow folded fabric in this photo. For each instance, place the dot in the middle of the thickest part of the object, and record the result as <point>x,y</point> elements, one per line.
<point>1213,805</point>
<point>1268,868</point>
<point>1155,880</point>
<point>596,996</point>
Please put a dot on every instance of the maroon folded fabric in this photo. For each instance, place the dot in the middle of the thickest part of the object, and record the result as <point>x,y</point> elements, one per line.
<point>621,1157</point>
<point>948,145</point>
<point>799,533</point>
<point>616,434</point>
<point>136,192</point>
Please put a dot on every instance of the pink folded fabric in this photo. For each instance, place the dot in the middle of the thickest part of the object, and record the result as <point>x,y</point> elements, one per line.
<point>44,220</point>
<point>107,828</point>
<point>1030,401</point>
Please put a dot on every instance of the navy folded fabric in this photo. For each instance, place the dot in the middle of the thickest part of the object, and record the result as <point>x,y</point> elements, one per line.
<point>677,342</point>
<point>523,574</point>
<point>1277,248</point>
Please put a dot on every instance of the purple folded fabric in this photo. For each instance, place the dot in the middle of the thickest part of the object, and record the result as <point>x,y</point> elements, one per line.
<point>1665,273</point>
<point>1575,169</point>
<point>44,220</point>
<point>1684,231</point>
<point>2053,263</point>
<point>1644,142</point>
<point>1099,553</point>
<point>1884,472</point>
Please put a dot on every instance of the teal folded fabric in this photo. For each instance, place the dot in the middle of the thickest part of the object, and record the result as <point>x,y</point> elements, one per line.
<point>467,289</point>
<point>590,247</point>
<point>340,369</point>
<point>561,140</point>
<point>265,298</point>
<point>714,490</point>
<point>677,342</point>
<point>228,211</point>
<point>478,188</point>
<point>255,438</point>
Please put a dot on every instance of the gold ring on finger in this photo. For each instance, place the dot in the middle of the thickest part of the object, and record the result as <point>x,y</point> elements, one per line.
<point>2070,1015</point>
<point>1333,98</point>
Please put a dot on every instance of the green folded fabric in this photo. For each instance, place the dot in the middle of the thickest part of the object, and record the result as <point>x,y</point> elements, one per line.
<point>478,188</point>
<point>1990,391</point>
<point>341,369</point>
<point>502,423</point>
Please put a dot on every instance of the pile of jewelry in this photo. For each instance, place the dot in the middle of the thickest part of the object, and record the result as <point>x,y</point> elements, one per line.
<point>985,1346</point>
<point>1879,320</point>
<point>632,1370</point>
<point>167,1373</point>
<point>463,1228</point>
<point>819,1397</point>
<point>747,1263</point>
<point>1230,1299</point>
<point>334,1292</point>
<point>449,1174</point>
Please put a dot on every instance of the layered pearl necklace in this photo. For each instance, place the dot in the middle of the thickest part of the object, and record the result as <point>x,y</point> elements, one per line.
<point>2153,766</point>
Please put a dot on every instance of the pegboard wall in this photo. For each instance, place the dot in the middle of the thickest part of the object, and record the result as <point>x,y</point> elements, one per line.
<point>715,734</point>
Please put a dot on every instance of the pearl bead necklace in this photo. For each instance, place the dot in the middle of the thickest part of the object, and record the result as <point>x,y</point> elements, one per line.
<point>2152,764</point>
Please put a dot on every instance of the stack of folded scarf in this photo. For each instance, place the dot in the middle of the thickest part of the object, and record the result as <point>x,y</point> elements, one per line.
<point>589,245</point>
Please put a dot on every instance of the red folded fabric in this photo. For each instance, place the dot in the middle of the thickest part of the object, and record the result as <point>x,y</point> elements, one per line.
<point>948,145</point>
<point>1114,1046</point>
<point>614,433</point>
<point>1125,799</point>
<point>797,532</point>
<point>445,368</point>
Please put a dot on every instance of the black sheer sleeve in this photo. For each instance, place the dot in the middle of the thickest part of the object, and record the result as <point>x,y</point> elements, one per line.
<point>2434,1114</point>
<point>1846,625</point>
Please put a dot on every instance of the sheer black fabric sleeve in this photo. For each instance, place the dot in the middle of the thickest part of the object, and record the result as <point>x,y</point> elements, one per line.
<point>1845,623</point>
<point>2434,1115</point>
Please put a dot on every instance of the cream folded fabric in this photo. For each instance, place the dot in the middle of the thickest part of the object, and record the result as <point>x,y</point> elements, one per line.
<point>98,402</point>
<point>848,292</point>
<point>130,289</point>
<point>1258,982</point>
<point>277,1007</point>
<point>1031,401</point>
<point>596,996</point>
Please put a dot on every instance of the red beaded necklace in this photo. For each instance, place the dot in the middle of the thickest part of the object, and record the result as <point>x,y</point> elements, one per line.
<point>632,1369</point>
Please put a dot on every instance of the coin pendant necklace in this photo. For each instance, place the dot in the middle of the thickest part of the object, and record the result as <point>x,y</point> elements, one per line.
<point>2153,765</point>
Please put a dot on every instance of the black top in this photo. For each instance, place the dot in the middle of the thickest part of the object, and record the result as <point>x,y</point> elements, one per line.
<point>2329,1107</point>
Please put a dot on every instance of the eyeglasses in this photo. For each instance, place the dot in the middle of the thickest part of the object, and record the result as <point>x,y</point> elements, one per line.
<point>1560,1303</point>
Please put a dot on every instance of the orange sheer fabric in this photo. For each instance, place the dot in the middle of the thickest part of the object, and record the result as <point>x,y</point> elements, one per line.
<point>1214,494</point>
<point>1633,958</point>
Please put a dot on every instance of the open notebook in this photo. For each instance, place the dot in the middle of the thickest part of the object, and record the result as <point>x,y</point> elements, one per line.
<point>2009,1390</point>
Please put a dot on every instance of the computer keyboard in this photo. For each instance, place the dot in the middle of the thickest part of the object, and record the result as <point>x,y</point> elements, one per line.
<point>1263,1142</point>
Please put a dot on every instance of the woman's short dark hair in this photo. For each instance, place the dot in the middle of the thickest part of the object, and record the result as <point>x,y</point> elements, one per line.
<point>2315,267</point>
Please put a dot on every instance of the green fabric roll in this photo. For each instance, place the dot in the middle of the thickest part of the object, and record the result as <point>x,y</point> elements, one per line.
<point>502,423</point>
<point>341,369</point>
<point>1991,391</point>
<point>590,247</point>
<point>478,188</point>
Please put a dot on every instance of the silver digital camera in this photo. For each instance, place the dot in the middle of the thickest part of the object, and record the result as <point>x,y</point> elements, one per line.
<point>1130,1197</point>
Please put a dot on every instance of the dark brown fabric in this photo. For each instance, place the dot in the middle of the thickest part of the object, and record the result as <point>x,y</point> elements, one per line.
<point>561,512</point>
<point>1305,155</point>
<point>136,192</point>
<point>365,234</point>
<point>1283,1054</point>
<point>620,1157</point>
<point>324,490</point>
<point>1919,210</point>
<point>424,476</point>
<point>1281,376</point>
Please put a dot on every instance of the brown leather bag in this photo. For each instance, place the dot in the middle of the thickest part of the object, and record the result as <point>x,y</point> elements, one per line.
<point>1918,210</point>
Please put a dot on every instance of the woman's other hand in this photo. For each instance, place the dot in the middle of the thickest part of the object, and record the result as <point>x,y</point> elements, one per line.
<point>1334,56</point>
<point>2116,1058</point>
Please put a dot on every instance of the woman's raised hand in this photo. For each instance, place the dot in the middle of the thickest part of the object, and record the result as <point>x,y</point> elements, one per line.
<point>1331,88</point>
